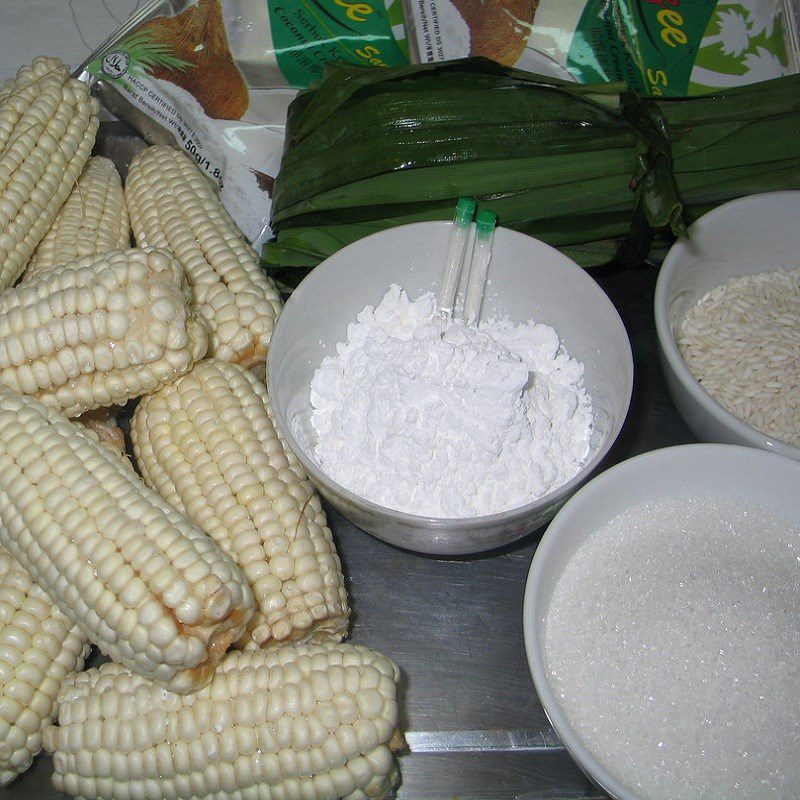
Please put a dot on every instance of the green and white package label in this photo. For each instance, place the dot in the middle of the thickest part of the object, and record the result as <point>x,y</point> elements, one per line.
<point>745,39</point>
<point>678,47</point>
<point>659,47</point>
<point>306,34</point>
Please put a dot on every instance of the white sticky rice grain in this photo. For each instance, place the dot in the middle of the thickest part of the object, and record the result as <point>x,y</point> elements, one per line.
<point>741,341</point>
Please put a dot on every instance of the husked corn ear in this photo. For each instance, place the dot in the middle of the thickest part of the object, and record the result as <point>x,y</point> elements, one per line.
<point>208,445</point>
<point>145,585</point>
<point>100,331</point>
<point>93,221</point>
<point>48,124</point>
<point>309,722</point>
<point>39,647</point>
<point>172,205</point>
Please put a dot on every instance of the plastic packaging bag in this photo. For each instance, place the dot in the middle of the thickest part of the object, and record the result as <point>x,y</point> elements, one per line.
<point>660,47</point>
<point>216,77</point>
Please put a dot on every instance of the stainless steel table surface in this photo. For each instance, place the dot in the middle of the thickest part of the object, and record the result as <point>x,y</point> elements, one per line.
<point>474,726</point>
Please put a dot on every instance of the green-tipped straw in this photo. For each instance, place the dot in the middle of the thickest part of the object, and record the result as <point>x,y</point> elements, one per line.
<point>479,266</point>
<point>456,248</point>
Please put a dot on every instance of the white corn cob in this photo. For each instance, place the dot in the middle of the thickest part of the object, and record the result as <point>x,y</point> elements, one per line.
<point>48,124</point>
<point>208,445</point>
<point>93,221</point>
<point>150,589</point>
<point>172,205</point>
<point>310,722</point>
<point>39,647</point>
<point>99,331</point>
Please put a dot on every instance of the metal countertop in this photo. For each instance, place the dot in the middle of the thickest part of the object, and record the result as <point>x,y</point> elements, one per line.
<point>474,725</point>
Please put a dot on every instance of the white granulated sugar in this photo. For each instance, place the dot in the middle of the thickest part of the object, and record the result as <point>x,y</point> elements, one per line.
<point>672,640</point>
<point>433,417</point>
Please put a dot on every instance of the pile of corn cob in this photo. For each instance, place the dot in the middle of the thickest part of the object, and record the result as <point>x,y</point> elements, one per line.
<point>207,573</point>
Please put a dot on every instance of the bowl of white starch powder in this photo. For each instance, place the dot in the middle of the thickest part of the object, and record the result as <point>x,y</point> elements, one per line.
<point>727,310</point>
<point>428,433</point>
<point>660,621</point>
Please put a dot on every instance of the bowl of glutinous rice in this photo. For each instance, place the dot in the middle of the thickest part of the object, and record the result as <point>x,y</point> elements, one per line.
<point>727,310</point>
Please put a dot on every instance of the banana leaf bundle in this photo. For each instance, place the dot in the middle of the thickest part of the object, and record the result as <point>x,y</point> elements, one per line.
<point>595,170</point>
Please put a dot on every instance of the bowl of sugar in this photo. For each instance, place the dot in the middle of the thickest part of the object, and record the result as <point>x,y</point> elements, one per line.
<point>727,310</point>
<point>437,436</point>
<point>660,621</point>
<point>433,435</point>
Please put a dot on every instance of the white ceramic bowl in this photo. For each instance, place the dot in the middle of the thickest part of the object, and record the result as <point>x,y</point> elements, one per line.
<point>529,280</point>
<point>746,236</point>
<point>727,472</point>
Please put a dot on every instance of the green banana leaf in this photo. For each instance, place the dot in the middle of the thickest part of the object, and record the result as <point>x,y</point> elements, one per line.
<point>595,170</point>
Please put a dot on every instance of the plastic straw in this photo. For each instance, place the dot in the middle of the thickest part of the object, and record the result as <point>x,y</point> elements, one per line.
<point>456,249</point>
<point>479,267</point>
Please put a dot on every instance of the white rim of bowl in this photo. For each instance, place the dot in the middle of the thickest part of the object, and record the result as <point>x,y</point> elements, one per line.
<point>583,757</point>
<point>669,347</point>
<point>468,523</point>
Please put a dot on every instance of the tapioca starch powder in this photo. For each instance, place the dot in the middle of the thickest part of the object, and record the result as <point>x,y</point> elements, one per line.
<point>433,417</point>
